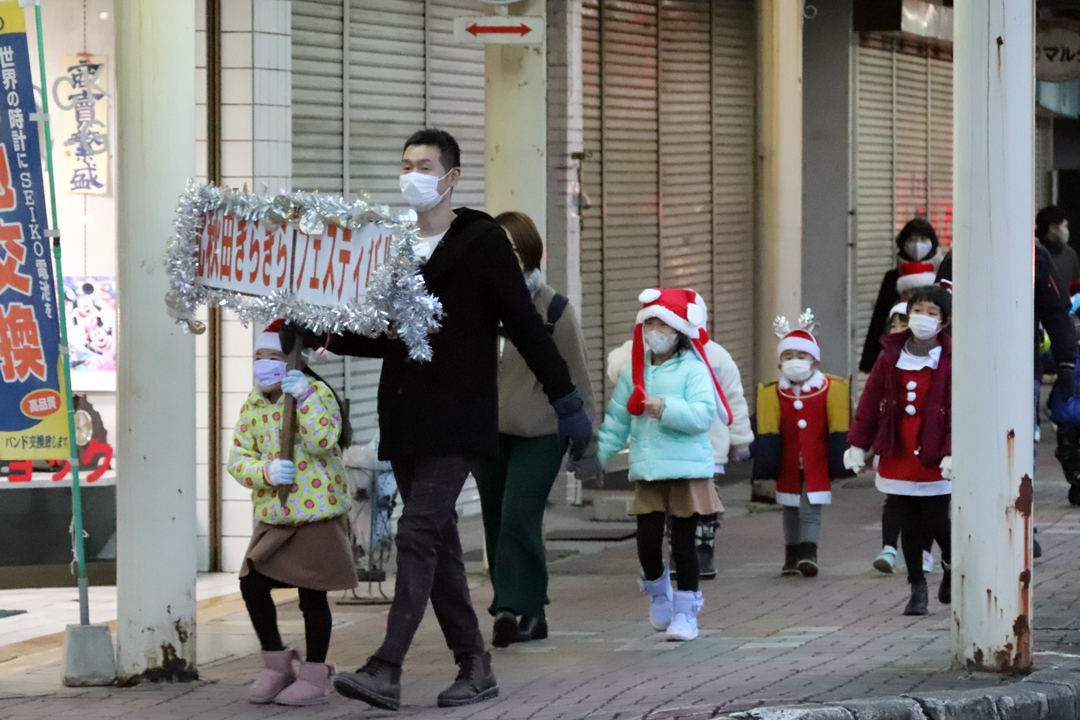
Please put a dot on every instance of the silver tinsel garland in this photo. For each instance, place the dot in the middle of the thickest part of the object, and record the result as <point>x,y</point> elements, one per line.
<point>396,301</point>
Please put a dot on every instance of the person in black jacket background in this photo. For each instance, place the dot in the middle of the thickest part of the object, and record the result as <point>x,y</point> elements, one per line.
<point>916,242</point>
<point>437,418</point>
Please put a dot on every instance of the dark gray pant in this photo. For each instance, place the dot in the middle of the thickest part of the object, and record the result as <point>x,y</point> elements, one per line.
<point>429,563</point>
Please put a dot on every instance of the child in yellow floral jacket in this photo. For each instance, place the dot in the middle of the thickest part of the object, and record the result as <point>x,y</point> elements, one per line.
<point>301,538</point>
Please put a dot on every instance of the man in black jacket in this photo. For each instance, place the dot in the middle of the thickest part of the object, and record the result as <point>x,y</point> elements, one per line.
<point>436,418</point>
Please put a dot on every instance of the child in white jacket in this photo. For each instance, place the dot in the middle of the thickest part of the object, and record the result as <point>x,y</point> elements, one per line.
<point>729,442</point>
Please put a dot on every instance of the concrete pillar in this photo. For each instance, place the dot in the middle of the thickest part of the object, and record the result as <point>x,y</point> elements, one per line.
<point>515,170</point>
<point>156,528</point>
<point>994,99</point>
<point>779,290</point>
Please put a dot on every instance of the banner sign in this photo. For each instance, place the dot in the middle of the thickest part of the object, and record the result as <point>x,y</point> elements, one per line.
<point>33,406</point>
<point>80,94</point>
<point>1057,54</point>
<point>332,268</point>
<point>320,261</point>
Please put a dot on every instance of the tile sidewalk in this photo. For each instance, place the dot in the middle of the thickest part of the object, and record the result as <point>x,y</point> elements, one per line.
<point>766,639</point>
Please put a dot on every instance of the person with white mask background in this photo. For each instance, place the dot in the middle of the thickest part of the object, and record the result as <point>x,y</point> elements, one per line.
<point>1052,231</point>
<point>437,419</point>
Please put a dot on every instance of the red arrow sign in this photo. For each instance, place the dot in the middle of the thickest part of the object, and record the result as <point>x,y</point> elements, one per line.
<point>521,29</point>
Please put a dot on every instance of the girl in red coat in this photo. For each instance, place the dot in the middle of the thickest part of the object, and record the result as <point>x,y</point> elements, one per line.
<point>905,417</point>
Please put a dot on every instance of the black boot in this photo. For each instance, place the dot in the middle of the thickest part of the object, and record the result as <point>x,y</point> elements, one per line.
<point>505,630</point>
<point>1074,494</point>
<point>706,546</point>
<point>475,682</point>
<point>807,564</point>
<point>919,601</point>
<point>378,683</point>
<point>532,628</point>
<point>1036,548</point>
<point>791,560</point>
<point>944,593</point>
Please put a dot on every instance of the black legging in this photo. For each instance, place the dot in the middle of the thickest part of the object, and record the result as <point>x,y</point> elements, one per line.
<point>890,525</point>
<point>255,588</point>
<point>924,519</point>
<point>650,547</point>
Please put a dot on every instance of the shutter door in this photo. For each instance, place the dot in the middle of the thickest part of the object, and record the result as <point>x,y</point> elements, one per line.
<point>592,217</point>
<point>1044,161</point>
<point>941,149</point>
<point>317,95</point>
<point>734,95</point>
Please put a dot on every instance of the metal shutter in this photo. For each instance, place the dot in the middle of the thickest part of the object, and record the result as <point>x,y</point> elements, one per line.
<point>316,95</point>
<point>669,123</point>
<point>734,125</point>
<point>1044,161</point>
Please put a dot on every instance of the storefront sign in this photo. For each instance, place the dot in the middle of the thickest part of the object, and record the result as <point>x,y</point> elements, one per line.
<point>1057,55</point>
<point>33,407</point>
<point>80,94</point>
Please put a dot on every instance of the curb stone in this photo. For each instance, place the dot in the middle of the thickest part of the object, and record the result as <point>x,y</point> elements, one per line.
<point>1052,694</point>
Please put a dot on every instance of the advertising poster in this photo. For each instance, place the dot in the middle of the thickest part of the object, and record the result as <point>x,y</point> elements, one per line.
<point>33,407</point>
<point>91,319</point>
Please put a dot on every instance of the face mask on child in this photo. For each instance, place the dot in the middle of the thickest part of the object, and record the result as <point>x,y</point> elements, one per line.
<point>268,372</point>
<point>659,342</point>
<point>924,327</point>
<point>797,370</point>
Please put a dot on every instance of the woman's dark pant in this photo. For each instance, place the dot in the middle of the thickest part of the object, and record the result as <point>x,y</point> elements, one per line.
<point>924,519</point>
<point>514,488</point>
<point>255,589</point>
<point>890,525</point>
<point>650,544</point>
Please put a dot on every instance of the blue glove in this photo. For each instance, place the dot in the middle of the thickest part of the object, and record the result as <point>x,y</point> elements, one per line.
<point>281,472</point>
<point>574,423</point>
<point>296,384</point>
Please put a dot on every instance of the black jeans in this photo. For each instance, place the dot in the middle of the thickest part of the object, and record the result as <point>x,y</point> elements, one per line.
<point>890,525</point>
<point>924,519</point>
<point>429,563</point>
<point>650,544</point>
<point>255,589</point>
<point>1068,451</point>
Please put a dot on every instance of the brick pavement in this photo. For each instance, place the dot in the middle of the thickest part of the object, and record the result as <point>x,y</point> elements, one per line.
<point>766,639</point>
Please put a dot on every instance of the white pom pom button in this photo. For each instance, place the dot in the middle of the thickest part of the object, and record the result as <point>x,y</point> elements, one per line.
<point>798,404</point>
<point>912,385</point>
<point>911,397</point>
<point>802,424</point>
<point>910,409</point>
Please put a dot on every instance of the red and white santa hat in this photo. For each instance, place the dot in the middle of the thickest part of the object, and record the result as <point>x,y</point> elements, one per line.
<point>268,339</point>
<point>915,275</point>
<point>900,308</point>
<point>685,311</point>
<point>801,340</point>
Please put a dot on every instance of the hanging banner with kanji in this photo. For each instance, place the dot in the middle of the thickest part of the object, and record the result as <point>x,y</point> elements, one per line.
<point>81,94</point>
<point>33,408</point>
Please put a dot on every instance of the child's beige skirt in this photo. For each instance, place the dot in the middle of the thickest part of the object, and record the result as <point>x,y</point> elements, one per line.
<point>678,498</point>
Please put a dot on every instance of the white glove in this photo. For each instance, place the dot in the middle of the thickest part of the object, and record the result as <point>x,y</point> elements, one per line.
<point>281,472</point>
<point>946,467</point>
<point>296,384</point>
<point>855,459</point>
<point>740,453</point>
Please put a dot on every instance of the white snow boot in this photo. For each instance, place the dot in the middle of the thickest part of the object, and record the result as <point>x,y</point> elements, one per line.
<point>685,608</point>
<point>659,592</point>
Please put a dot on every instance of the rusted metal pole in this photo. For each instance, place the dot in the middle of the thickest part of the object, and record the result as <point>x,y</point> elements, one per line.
<point>994,101</point>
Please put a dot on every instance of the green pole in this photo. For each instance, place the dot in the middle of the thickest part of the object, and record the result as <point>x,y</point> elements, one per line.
<point>76,498</point>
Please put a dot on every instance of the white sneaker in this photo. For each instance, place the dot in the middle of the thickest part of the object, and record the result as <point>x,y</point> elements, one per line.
<point>685,607</point>
<point>886,561</point>
<point>927,562</point>
<point>660,596</point>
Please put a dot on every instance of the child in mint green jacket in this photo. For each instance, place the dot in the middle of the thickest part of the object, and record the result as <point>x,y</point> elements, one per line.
<point>301,507</point>
<point>665,403</point>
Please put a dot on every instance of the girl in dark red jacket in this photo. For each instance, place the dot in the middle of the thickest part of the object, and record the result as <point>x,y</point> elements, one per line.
<point>905,417</point>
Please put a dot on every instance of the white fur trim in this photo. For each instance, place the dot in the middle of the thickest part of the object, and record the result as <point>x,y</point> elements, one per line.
<point>798,343</point>
<point>908,361</point>
<point>909,282</point>
<point>912,488</point>
<point>669,317</point>
<point>816,382</point>
<point>788,499</point>
<point>268,341</point>
<point>899,309</point>
<point>648,296</point>
<point>823,497</point>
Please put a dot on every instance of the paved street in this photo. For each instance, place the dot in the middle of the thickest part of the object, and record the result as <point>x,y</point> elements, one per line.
<point>765,639</point>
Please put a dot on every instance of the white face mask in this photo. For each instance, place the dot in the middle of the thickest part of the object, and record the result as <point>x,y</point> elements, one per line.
<point>924,327</point>
<point>918,250</point>
<point>268,372</point>
<point>1065,236</point>
<point>797,370</point>
<point>421,191</point>
<point>660,342</point>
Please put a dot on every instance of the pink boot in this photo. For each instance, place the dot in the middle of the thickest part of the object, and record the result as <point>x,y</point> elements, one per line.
<point>313,686</point>
<point>276,676</point>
